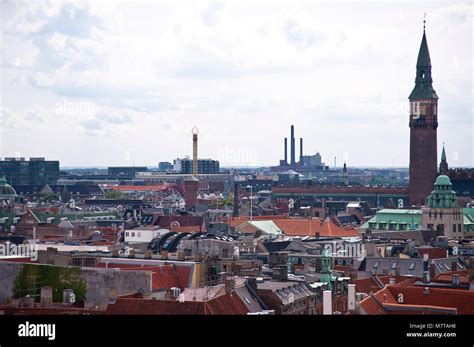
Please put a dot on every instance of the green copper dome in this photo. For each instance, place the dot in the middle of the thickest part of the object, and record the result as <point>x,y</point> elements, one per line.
<point>6,190</point>
<point>443,180</point>
<point>443,195</point>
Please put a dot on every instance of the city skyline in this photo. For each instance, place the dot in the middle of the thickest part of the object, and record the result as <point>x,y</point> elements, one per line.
<point>90,86</point>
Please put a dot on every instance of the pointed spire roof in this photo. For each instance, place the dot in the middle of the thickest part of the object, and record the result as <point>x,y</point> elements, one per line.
<point>424,53</point>
<point>423,82</point>
<point>443,154</point>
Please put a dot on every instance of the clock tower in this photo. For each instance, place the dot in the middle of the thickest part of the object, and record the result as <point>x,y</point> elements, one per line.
<point>423,128</point>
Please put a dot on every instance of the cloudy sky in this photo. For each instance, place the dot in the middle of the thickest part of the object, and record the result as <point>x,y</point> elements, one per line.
<point>121,83</point>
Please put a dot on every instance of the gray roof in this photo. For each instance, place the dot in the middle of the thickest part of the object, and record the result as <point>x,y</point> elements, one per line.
<point>411,266</point>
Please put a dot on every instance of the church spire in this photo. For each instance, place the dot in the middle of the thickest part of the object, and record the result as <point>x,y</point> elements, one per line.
<point>443,165</point>
<point>423,82</point>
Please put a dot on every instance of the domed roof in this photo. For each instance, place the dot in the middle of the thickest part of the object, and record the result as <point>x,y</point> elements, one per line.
<point>443,180</point>
<point>6,190</point>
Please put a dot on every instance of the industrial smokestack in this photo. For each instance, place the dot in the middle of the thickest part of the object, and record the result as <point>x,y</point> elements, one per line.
<point>292,140</point>
<point>286,151</point>
<point>301,150</point>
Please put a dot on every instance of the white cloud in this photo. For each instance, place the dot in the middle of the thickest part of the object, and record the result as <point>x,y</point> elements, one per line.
<point>241,71</point>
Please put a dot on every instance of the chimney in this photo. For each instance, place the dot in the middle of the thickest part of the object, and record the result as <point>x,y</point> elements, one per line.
<point>454,266</point>
<point>432,270</point>
<point>131,253</point>
<point>351,297</point>
<point>236,199</point>
<point>252,283</point>
<point>181,255</point>
<point>46,296</point>
<point>147,254</point>
<point>115,253</point>
<point>426,269</point>
<point>301,150</point>
<point>164,254</point>
<point>397,271</point>
<point>391,281</point>
<point>286,151</point>
<point>292,144</point>
<point>327,302</point>
<point>456,280</point>
<point>229,285</point>
<point>426,290</point>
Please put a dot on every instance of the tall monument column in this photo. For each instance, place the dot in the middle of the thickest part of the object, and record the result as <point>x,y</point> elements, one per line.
<point>195,132</point>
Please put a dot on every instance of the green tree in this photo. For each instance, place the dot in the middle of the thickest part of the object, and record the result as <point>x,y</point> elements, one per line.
<point>32,277</point>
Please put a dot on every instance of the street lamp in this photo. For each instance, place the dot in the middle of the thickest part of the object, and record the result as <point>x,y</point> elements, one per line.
<point>251,194</point>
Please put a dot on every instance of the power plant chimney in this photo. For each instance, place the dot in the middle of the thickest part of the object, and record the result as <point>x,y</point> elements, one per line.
<point>286,150</point>
<point>195,132</point>
<point>292,142</point>
<point>301,150</point>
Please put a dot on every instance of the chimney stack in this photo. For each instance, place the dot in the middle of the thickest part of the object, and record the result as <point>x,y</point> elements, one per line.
<point>46,296</point>
<point>292,144</point>
<point>286,151</point>
<point>456,280</point>
<point>327,302</point>
<point>301,150</point>
<point>426,269</point>
<point>454,266</point>
<point>351,297</point>
<point>229,285</point>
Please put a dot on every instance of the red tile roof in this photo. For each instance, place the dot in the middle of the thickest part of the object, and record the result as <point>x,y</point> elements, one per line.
<point>313,227</point>
<point>462,300</point>
<point>433,252</point>
<point>226,304</point>
<point>416,301</point>
<point>163,277</point>
<point>132,306</point>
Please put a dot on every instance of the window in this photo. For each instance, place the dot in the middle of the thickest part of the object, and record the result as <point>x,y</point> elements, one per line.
<point>376,265</point>
<point>454,228</point>
<point>412,266</point>
<point>133,234</point>
<point>394,265</point>
<point>139,233</point>
<point>127,234</point>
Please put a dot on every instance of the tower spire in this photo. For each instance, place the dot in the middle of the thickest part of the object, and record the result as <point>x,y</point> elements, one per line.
<point>424,22</point>
<point>423,81</point>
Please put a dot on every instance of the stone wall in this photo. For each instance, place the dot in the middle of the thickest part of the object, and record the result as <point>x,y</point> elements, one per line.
<point>102,284</point>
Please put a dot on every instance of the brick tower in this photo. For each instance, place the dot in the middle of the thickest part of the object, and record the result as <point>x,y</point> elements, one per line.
<point>423,128</point>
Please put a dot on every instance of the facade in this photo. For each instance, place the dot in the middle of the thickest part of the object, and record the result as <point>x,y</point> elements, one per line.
<point>165,166</point>
<point>443,213</point>
<point>423,129</point>
<point>205,166</point>
<point>35,171</point>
